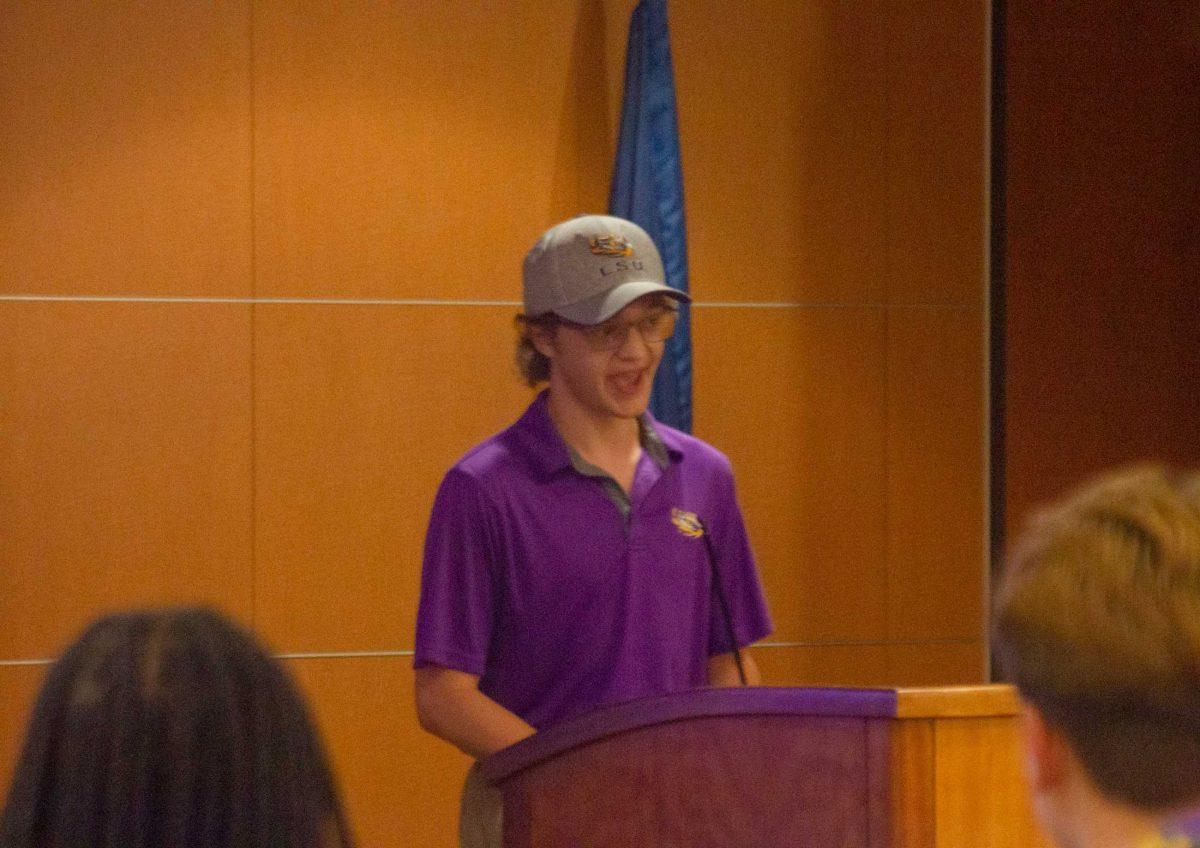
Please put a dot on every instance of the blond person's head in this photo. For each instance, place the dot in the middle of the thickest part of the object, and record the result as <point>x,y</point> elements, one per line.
<point>1097,622</point>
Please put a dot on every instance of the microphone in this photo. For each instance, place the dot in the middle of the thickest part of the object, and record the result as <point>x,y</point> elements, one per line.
<point>722,601</point>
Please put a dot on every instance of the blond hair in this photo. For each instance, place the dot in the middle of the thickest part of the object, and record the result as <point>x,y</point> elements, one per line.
<point>1097,622</point>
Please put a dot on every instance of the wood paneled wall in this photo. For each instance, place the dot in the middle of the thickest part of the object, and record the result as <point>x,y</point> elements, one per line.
<point>258,264</point>
<point>1102,109</point>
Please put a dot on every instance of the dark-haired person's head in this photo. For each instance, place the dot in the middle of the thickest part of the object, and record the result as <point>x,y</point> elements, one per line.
<point>1097,622</point>
<point>171,729</point>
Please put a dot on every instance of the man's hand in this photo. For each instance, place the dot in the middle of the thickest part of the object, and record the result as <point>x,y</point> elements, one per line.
<point>450,705</point>
<point>722,670</point>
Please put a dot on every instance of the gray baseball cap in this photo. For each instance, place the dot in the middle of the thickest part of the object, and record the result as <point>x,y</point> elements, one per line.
<point>589,268</point>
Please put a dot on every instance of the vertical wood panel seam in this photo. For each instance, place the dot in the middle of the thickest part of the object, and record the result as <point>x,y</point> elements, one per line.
<point>887,324</point>
<point>252,188</point>
<point>990,153</point>
<point>887,480</point>
<point>934,776</point>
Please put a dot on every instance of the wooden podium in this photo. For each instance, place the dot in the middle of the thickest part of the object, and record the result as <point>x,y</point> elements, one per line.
<point>766,767</point>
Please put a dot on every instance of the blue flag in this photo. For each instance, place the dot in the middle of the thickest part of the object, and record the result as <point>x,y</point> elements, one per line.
<point>647,188</point>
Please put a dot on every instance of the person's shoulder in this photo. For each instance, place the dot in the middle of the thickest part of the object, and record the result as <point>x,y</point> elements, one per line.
<point>486,459</point>
<point>474,479</point>
<point>497,460</point>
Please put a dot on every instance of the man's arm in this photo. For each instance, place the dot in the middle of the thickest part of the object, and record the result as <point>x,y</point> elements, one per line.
<point>722,670</point>
<point>450,705</point>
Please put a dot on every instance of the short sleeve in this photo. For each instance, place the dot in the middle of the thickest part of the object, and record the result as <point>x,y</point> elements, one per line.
<point>738,574</point>
<point>457,602</point>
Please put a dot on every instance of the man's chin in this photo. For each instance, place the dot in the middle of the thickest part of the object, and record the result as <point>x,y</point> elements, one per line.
<point>634,407</point>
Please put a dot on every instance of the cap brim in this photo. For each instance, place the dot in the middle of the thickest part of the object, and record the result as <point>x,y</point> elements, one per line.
<point>605,305</point>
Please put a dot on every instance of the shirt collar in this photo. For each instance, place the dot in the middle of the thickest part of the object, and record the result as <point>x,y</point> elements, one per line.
<point>652,442</point>
<point>543,447</point>
<point>670,440</point>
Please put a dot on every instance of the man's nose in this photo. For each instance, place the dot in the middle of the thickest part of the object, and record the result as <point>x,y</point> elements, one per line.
<point>633,344</point>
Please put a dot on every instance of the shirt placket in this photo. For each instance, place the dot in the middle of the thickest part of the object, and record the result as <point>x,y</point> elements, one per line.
<point>645,477</point>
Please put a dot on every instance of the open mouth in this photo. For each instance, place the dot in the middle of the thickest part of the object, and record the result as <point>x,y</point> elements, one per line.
<point>628,383</point>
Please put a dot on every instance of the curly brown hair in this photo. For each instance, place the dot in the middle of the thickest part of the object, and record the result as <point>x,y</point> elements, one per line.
<point>533,366</point>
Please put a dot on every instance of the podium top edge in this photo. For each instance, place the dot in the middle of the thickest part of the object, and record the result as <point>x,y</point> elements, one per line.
<point>957,701</point>
<point>829,702</point>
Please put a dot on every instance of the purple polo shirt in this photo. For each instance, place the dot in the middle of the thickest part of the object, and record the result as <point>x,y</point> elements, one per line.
<point>534,581</point>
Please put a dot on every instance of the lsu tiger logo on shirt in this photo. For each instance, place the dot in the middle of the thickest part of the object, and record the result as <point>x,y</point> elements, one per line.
<point>687,523</point>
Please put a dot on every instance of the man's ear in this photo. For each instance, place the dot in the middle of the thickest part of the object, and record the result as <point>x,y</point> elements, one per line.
<point>542,339</point>
<point>1046,752</point>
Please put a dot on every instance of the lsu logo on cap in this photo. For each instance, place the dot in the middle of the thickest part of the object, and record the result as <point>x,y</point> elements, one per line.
<point>610,246</point>
<point>687,523</point>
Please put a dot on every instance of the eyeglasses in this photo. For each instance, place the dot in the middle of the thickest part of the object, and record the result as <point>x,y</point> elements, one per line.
<point>610,336</point>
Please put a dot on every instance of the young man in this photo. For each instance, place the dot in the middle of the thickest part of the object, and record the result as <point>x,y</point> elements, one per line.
<point>565,564</point>
<point>1098,625</point>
